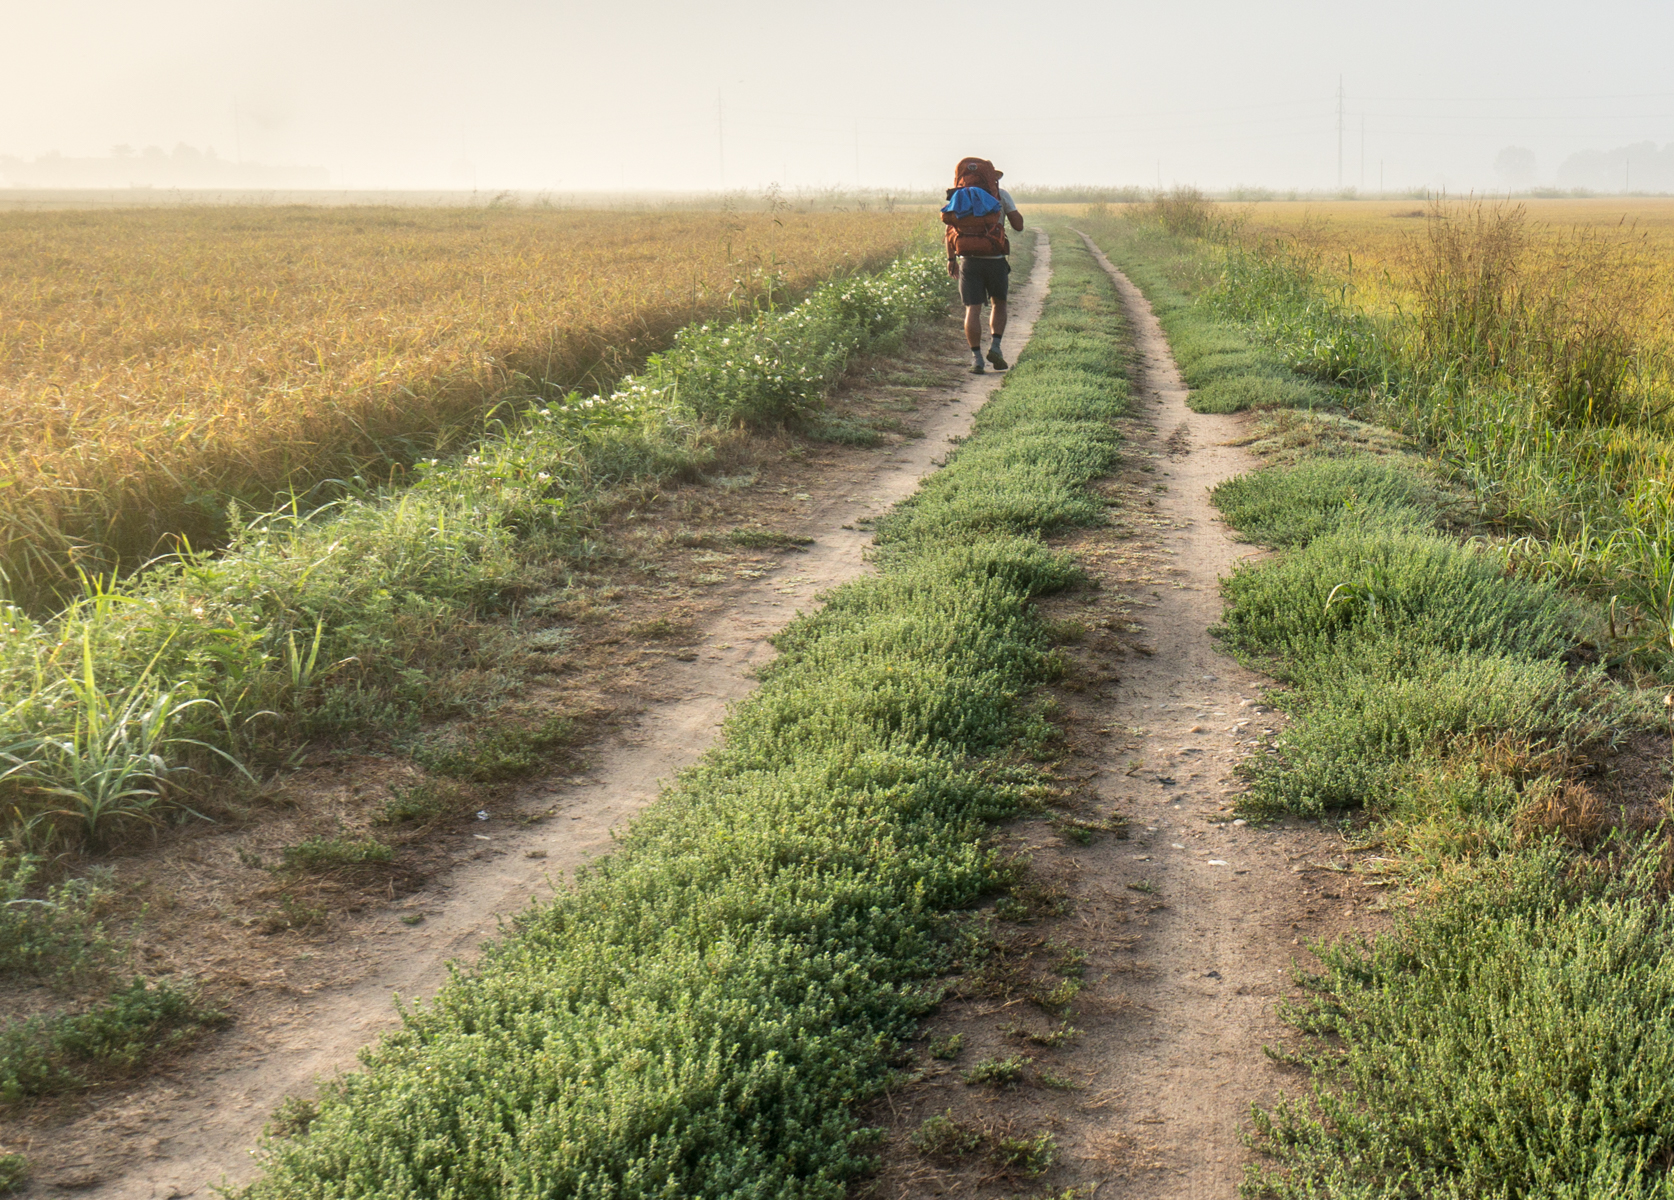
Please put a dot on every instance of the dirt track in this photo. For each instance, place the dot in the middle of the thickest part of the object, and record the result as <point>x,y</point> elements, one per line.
<point>1191,924</point>
<point>193,1132</point>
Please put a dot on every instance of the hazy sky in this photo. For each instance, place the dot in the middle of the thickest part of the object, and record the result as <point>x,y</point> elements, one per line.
<point>652,93</point>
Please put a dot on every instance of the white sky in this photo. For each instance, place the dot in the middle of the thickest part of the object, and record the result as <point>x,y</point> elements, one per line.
<point>564,95</point>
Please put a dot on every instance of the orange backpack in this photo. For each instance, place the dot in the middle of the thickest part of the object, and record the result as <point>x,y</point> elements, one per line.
<point>980,237</point>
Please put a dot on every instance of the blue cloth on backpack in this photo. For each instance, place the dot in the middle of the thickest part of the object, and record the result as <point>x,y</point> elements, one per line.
<point>971,202</point>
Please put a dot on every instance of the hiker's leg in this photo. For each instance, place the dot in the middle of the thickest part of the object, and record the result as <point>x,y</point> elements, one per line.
<point>996,319</point>
<point>973,325</point>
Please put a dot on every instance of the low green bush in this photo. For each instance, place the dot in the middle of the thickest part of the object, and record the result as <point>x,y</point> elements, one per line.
<point>321,853</point>
<point>47,1054</point>
<point>1509,1038</point>
<point>1425,590</point>
<point>1367,718</point>
<point>1289,506</point>
<point>1236,393</point>
<point>14,1173</point>
<point>56,935</point>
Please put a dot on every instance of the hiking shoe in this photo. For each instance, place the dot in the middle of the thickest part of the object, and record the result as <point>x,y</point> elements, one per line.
<point>979,369</point>
<point>998,359</point>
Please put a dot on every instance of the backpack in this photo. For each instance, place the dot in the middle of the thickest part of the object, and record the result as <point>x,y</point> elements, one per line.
<point>974,227</point>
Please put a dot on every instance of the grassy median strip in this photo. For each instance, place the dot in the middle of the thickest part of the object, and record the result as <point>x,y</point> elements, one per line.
<point>700,1012</point>
<point>1506,1038</point>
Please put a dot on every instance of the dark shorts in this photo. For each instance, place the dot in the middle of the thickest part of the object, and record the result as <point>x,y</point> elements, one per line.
<point>983,278</point>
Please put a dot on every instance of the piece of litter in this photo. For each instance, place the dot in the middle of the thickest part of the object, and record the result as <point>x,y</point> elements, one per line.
<point>1177,845</point>
<point>482,837</point>
<point>482,814</point>
<point>1217,862</point>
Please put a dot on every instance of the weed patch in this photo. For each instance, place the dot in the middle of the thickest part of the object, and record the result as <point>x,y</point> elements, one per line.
<point>44,1055</point>
<point>322,854</point>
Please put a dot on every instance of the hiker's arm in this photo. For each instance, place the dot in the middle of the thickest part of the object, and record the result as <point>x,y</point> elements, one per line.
<point>1016,219</point>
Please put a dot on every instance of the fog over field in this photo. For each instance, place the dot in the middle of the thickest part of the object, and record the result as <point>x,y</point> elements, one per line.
<point>740,93</point>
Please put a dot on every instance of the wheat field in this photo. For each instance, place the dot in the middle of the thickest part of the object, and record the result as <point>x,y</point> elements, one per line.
<point>1370,245</point>
<point>155,364</point>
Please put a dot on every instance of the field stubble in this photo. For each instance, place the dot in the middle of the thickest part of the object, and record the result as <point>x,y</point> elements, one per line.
<point>157,364</point>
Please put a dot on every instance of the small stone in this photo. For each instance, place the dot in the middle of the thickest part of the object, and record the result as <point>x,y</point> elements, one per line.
<point>1217,862</point>
<point>1240,823</point>
<point>1177,845</point>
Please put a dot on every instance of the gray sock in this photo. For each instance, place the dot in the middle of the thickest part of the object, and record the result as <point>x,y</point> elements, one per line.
<point>976,353</point>
<point>995,344</point>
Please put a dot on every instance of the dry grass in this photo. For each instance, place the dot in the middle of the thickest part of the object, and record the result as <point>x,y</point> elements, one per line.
<point>155,363</point>
<point>1371,244</point>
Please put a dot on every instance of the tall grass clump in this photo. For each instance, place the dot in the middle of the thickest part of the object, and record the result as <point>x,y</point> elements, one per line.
<point>699,1013</point>
<point>339,618</point>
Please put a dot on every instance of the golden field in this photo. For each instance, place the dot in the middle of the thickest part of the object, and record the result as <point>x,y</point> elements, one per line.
<point>156,363</point>
<point>1371,244</point>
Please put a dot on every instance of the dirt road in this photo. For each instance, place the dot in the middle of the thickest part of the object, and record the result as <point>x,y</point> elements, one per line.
<point>1188,1060</point>
<point>1189,926</point>
<point>193,1131</point>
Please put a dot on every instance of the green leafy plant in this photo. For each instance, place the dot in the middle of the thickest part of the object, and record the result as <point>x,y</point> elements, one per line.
<point>948,1047</point>
<point>998,1072</point>
<point>941,1136</point>
<point>1030,1156</point>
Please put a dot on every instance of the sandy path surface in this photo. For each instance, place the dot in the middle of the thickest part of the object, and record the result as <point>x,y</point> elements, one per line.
<point>1186,1063</point>
<point>192,1133</point>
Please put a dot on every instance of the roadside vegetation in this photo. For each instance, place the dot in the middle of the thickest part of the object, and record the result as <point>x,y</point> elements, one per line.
<point>159,366</point>
<point>699,1014</point>
<point>349,618</point>
<point>393,618</point>
<point>1485,726</point>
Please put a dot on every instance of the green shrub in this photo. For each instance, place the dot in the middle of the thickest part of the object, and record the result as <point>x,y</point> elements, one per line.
<point>48,1054</point>
<point>1509,1038</point>
<point>14,1172</point>
<point>998,1072</point>
<point>1027,1155</point>
<point>56,936</point>
<point>1290,506</point>
<point>504,751</point>
<point>948,1047</point>
<point>1236,393</point>
<point>1368,718</point>
<point>941,1136</point>
<point>767,539</point>
<point>1420,589</point>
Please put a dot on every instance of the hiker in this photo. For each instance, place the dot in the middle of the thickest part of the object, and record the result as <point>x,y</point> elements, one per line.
<point>976,214</point>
